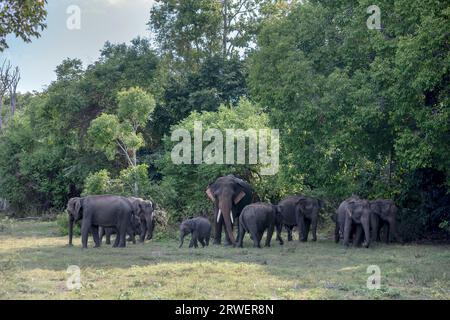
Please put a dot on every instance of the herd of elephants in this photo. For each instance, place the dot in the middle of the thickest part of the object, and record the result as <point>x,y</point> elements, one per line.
<point>357,220</point>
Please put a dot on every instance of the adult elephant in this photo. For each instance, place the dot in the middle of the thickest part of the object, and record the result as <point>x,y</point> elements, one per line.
<point>339,219</point>
<point>303,212</point>
<point>145,210</point>
<point>230,195</point>
<point>107,211</point>
<point>383,212</point>
<point>354,214</point>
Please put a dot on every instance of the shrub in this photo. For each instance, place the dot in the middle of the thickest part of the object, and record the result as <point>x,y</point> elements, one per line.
<point>425,205</point>
<point>62,221</point>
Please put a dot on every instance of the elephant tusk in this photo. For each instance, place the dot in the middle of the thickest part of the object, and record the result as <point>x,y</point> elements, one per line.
<point>218,216</point>
<point>231,216</point>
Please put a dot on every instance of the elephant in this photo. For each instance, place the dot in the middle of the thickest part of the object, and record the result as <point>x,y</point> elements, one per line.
<point>354,214</point>
<point>133,229</point>
<point>339,219</point>
<point>73,207</point>
<point>145,210</point>
<point>257,218</point>
<point>303,212</point>
<point>230,195</point>
<point>106,211</point>
<point>200,230</point>
<point>383,212</point>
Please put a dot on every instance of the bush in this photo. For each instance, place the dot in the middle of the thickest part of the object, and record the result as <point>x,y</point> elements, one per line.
<point>425,206</point>
<point>62,221</point>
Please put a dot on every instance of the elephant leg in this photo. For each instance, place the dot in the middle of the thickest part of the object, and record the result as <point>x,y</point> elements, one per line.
<point>336,233</point>
<point>347,231</point>
<point>108,236</point>
<point>358,236</point>
<point>218,231</point>
<point>101,234</point>
<point>94,231</point>
<point>241,235</point>
<point>314,227</point>
<point>133,238</point>
<point>393,230</point>
<point>122,235</point>
<point>117,239</point>
<point>279,238</point>
<point>85,227</point>
<point>301,224</point>
<point>259,236</point>
<point>194,240</point>
<point>143,231</point>
<point>202,242</point>
<point>374,225</point>
<point>307,228</point>
<point>207,241</point>
<point>269,235</point>
<point>191,243</point>
<point>255,238</point>
<point>289,231</point>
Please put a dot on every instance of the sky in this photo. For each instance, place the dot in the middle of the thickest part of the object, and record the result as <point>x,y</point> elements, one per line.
<point>116,21</point>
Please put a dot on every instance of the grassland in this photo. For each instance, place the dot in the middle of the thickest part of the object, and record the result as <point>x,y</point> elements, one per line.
<point>34,261</point>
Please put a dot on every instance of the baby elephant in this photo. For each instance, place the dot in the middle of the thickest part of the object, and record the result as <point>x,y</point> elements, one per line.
<point>200,230</point>
<point>257,218</point>
<point>132,230</point>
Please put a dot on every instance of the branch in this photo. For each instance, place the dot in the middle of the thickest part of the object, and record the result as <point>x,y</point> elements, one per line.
<point>124,151</point>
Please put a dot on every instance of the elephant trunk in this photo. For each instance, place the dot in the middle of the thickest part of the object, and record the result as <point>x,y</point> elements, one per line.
<point>149,222</point>
<point>225,210</point>
<point>181,239</point>
<point>71,222</point>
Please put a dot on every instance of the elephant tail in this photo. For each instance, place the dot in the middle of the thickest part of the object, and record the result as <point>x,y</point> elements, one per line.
<point>242,223</point>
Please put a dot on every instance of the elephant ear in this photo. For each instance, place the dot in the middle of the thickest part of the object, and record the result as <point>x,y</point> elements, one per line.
<point>77,210</point>
<point>239,197</point>
<point>137,207</point>
<point>209,192</point>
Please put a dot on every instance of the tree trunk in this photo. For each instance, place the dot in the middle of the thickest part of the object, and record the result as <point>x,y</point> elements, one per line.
<point>1,110</point>
<point>225,28</point>
<point>13,104</point>
<point>136,187</point>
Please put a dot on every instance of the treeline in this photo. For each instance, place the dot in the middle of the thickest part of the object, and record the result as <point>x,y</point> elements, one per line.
<point>360,111</point>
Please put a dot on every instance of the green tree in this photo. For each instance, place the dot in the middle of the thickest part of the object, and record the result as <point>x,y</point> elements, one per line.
<point>187,182</point>
<point>23,18</point>
<point>192,30</point>
<point>358,108</point>
<point>114,134</point>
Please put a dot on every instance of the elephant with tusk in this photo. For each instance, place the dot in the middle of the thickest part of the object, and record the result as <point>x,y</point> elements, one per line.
<point>230,195</point>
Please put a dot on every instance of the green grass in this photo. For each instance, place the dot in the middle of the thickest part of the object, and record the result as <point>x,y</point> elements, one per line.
<point>34,260</point>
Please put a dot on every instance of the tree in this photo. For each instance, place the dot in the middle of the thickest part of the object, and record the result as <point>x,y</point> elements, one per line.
<point>15,78</point>
<point>217,81</point>
<point>111,132</point>
<point>24,18</point>
<point>359,109</point>
<point>192,30</point>
<point>188,181</point>
<point>5,83</point>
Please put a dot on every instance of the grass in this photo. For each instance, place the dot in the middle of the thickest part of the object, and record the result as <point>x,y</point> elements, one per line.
<point>34,260</point>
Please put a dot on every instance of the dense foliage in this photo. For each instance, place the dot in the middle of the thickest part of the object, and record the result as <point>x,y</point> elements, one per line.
<point>360,111</point>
